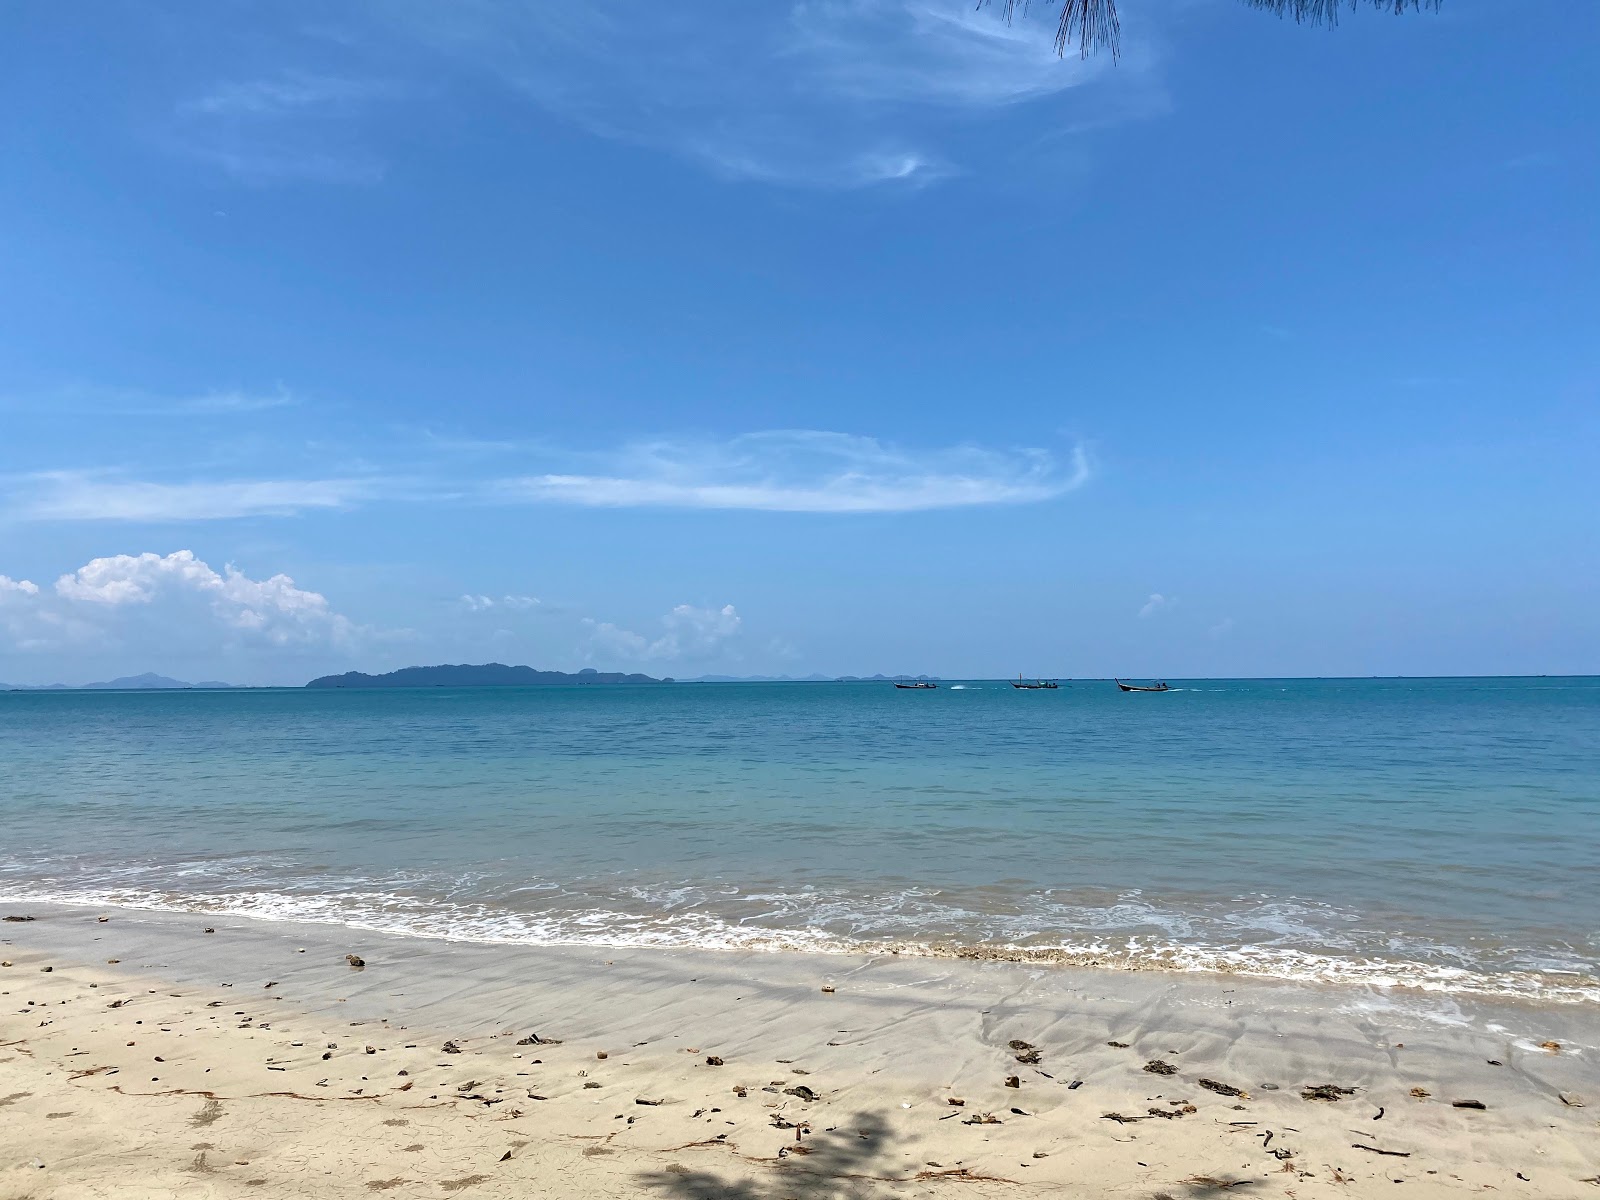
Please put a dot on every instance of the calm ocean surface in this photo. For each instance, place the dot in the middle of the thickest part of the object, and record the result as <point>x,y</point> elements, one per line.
<point>1440,833</point>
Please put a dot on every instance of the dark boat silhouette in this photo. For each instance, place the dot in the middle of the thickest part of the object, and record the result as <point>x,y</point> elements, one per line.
<point>919,685</point>
<point>1046,685</point>
<point>1133,687</point>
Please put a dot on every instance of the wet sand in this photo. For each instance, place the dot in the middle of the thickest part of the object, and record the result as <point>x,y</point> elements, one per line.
<point>256,1061</point>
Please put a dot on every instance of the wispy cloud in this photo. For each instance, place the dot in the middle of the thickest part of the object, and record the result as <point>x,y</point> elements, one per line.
<point>88,496</point>
<point>1155,604</point>
<point>125,402</point>
<point>809,471</point>
<point>824,93</point>
<point>474,603</point>
<point>797,471</point>
<point>290,94</point>
<point>287,127</point>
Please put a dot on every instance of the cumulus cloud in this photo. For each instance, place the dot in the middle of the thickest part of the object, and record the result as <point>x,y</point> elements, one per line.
<point>809,471</point>
<point>168,600</point>
<point>1154,605</point>
<point>690,632</point>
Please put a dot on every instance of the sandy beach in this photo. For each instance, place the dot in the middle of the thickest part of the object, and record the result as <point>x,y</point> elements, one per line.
<point>155,1055</point>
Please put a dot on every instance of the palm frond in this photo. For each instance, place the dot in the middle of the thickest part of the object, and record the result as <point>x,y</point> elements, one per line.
<point>1326,12</point>
<point>1093,24</point>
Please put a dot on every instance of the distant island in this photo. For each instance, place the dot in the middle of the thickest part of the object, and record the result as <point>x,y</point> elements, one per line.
<point>888,678</point>
<point>147,682</point>
<point>485,675</point>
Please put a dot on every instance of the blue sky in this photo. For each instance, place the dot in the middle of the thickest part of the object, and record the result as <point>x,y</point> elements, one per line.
<point>834,335</point>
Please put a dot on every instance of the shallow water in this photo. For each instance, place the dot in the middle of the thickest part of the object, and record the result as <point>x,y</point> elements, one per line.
<point>1439,833</point>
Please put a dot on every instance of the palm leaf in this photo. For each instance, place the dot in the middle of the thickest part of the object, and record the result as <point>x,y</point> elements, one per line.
<point>1093,25</point>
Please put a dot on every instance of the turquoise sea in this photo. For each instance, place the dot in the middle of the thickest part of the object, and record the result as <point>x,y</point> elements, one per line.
<point>1433,833</point>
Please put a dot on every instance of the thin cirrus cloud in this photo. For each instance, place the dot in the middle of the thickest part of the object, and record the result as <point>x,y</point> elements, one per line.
<point>90,496</point>
<point>292,126</point>
<point>809,472</point>
<point>795,471</point>
<point>816,93</point>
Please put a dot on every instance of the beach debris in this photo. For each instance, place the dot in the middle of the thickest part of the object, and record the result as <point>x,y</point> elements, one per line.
<point>1157,1067</point>
<point>355,961</point>
<point>740,1090</point>
<point>1376,1150</point>
<point>828,988</point>
<point>591,1084</point>
<point>1420,1093</point>
<point>1553,1047</point>
<point>601,1054</point>
<point>802,1091</point>
<point>1021,1112</point>
<point>102,920</point>
<point>713,1061</point>
<point>648,1103</point>
<point>1118,1045</point>
<point>955,1101</point>
<point>1074,1085</point>
<point>18,918</point>
<point>982,1119</point>
<point>533,1039</point>
<point>1223,1089</point>
<point>1325,1091</point>
<point>1026,1053</point>
<point>5,963</point>
<point>1211,1181</point>
<point>1120,1119</point>
<point>1013,1082</point>
<point>208,929</point>
<point>1381,1111</point>
<point>450,1048</point>
<point>1570,1099</point>
<point>1475,1104</point>
<point>1494,1062</point>
<point>326,1055</point>
<point>47,970</point>
<point>372,1049</point>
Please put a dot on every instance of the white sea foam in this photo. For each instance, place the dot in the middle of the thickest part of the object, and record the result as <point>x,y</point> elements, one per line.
<point>679,921</point>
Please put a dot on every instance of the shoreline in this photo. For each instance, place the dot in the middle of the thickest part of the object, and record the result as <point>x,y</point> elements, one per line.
<point>1268,965</point>
<point>883,1052</point>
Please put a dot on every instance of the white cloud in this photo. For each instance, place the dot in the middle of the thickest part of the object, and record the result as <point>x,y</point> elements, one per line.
<point>288,94</point>
<point>827,93</point>
<point>273,609</point>
<point>690,632</point>
<point>166,605</point>
<point>88,496</point>
<point>1154,605</point>
<point>1222,628</point>
<point>287,127</point>
<point>809,471</point>
<point>484,603</point>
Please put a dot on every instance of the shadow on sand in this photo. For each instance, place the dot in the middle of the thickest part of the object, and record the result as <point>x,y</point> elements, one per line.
<point>850,1162</point>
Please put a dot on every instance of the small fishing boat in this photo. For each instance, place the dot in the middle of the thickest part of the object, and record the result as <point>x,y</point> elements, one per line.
<point>1046,685</point>
<point>1133,687</point>
<point>919,685</point>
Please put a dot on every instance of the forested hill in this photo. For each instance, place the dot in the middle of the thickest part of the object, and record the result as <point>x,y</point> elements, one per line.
<point>486,675</point>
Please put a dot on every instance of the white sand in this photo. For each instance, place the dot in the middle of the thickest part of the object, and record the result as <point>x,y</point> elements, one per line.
<point>177,1072</point>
